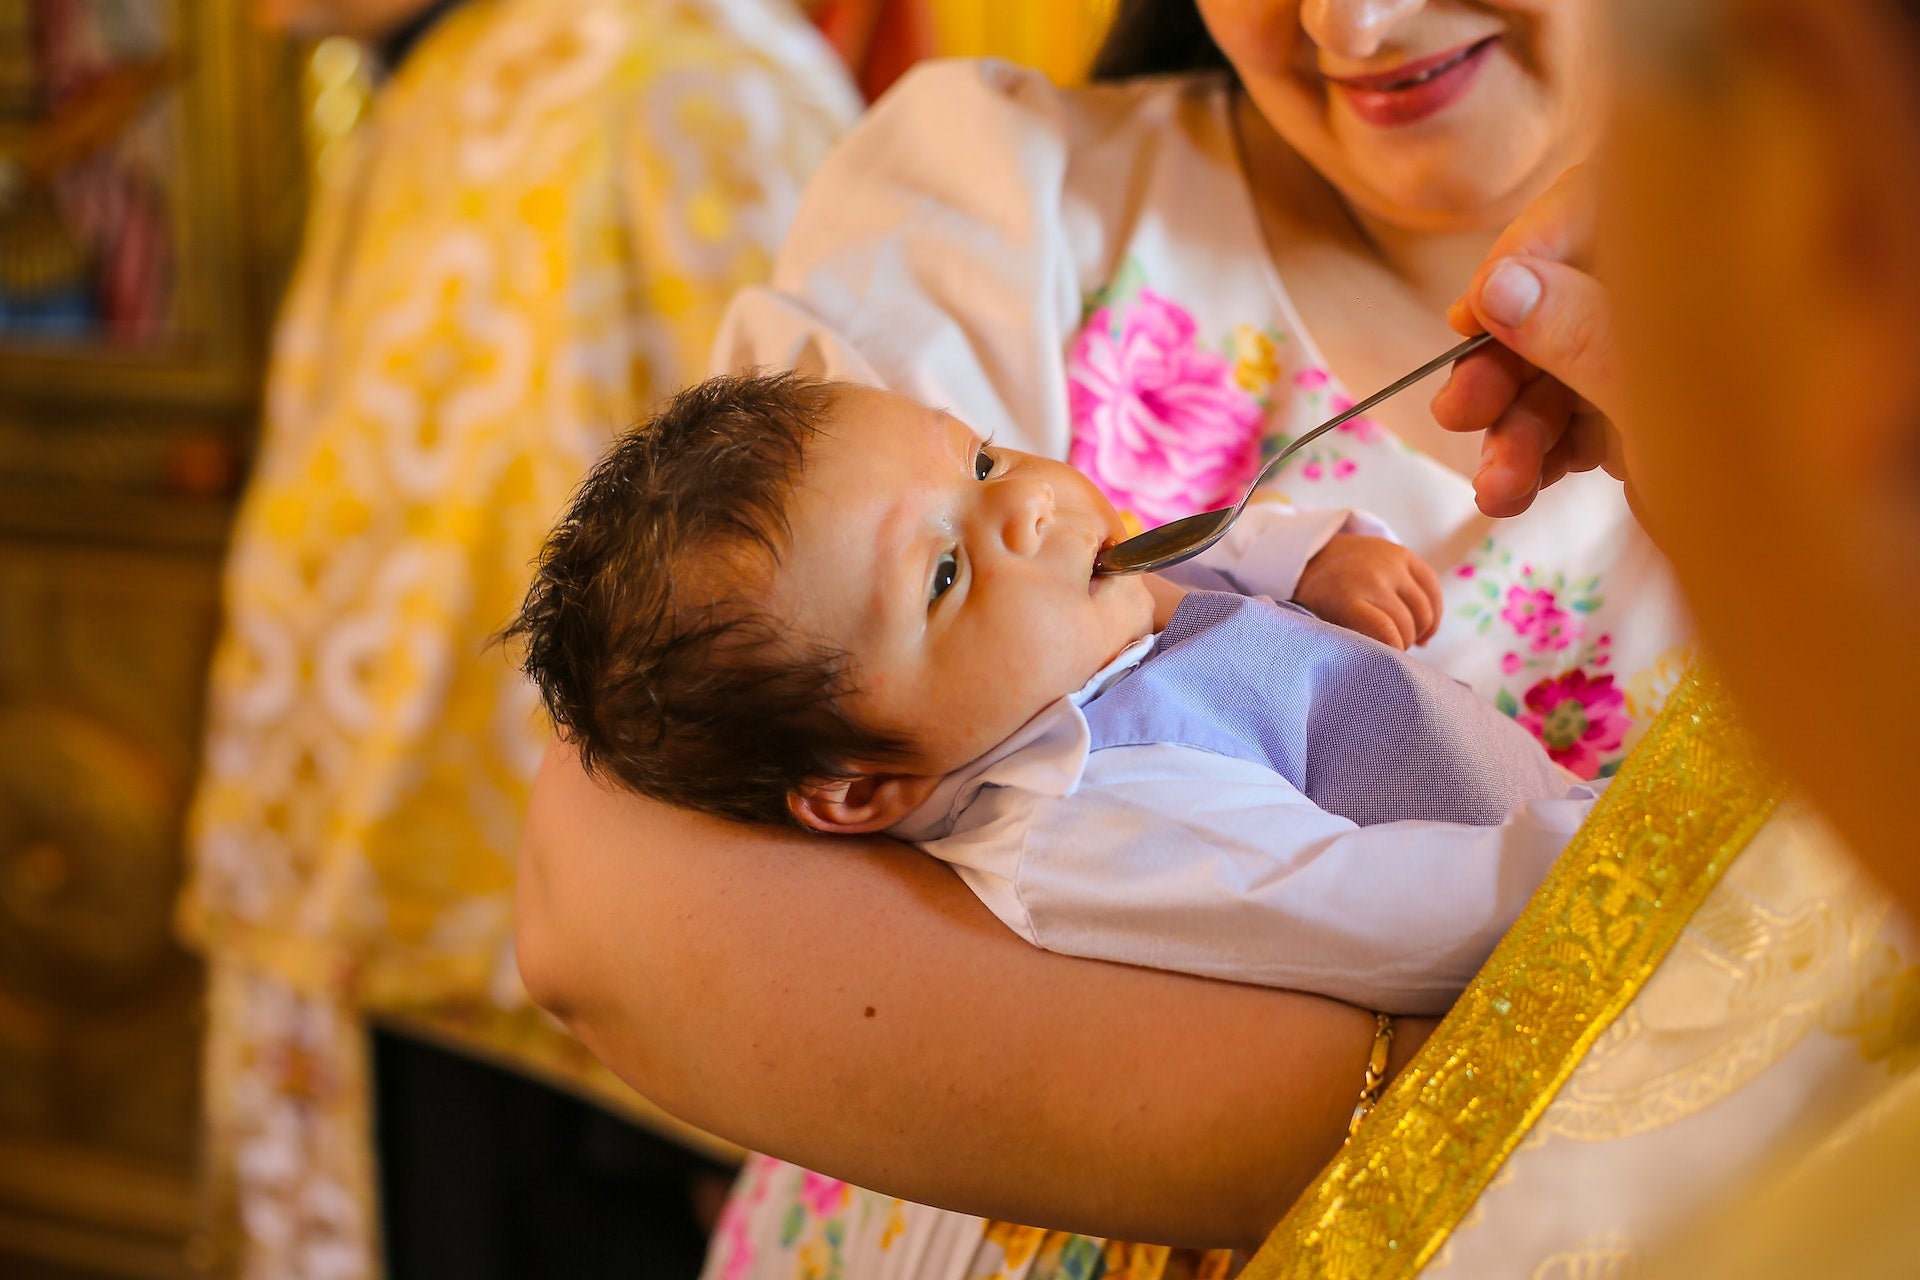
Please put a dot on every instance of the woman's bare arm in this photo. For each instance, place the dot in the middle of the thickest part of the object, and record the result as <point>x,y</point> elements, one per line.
<point>850,1006</point>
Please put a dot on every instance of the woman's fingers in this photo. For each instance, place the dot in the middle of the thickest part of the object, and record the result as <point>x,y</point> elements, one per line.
<point>1544,399</point>
<point>1560,320</point>
<point>1584,445</point>
<point>1557,318</point>
<point>1480,388</point>
<point>1513,457</point>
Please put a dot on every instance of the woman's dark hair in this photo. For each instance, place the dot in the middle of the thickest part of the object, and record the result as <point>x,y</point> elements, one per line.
<point>1157,37</point>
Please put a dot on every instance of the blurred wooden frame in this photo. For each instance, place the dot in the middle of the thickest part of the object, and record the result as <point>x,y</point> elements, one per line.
<point>234,202</point>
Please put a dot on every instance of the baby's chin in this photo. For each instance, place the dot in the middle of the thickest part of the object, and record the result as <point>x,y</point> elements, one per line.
<point>1127,601</point>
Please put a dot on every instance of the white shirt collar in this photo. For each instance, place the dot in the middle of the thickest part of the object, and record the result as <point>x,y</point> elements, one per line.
<point>1046,755</point>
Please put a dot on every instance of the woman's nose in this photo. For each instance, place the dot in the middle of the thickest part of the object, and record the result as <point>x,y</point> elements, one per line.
<point>1354,28</point>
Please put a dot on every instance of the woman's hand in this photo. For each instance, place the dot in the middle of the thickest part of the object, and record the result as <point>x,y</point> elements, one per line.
<point>1544,396</point>
<point>1375,587</point>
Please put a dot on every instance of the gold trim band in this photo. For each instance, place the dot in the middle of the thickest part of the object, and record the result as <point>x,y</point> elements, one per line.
<point>1688,801</point>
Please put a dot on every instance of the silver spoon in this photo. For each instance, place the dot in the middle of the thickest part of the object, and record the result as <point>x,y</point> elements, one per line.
<point>1186,538</point>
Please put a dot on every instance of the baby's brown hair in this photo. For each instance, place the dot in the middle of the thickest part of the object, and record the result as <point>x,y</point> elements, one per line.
<point>638,630</point>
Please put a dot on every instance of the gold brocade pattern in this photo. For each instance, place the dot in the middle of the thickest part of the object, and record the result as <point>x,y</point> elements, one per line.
<point>1605,1257</point>
<point>1685,805</point>
<point>1786,966</point>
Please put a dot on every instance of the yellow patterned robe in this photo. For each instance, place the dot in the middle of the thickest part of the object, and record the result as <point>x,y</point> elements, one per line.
<point>528,240</point>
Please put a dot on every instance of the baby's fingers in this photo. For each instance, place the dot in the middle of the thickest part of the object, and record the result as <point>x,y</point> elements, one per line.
<point>1513,453</point>
<point>1420,592</point>
<point>1399,619</point>
<point>1371,621</point>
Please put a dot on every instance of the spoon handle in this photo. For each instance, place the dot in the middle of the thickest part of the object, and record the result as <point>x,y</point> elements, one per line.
<point>1439,362</point>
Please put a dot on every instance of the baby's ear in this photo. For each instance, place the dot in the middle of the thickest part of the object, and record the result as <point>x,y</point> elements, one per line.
<point>867,802</point>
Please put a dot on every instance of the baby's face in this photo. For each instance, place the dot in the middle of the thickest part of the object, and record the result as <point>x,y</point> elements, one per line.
<point>958,576</point>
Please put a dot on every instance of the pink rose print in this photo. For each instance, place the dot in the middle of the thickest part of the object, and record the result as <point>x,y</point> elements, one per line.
<point>1363,429</point>
<point>732,1242</point>
<point>820,1194</point>
<point>1158,423</point>
<point>1578,718</point>
<point>1536,616</point>
<point>1311,380</point>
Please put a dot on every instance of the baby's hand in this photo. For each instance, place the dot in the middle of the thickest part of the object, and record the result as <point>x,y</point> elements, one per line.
<point>1375,587</point>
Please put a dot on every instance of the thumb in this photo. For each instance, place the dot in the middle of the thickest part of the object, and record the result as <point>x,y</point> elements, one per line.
<point>1557,318</point>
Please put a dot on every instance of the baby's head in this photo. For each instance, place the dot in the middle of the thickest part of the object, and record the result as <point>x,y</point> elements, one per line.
<point>792,601</point>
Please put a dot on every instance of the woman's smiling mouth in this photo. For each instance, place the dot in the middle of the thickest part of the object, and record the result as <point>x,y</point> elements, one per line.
<point>1414,90</point>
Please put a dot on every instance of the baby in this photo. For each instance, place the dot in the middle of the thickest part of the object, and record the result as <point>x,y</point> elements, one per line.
<point>792,601</point>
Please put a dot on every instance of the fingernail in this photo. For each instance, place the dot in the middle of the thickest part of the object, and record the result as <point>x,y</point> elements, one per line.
<point>1510,294</point>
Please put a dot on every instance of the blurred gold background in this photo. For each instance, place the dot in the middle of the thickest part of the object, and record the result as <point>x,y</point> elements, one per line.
<point>126,419</point>
<point>1058,36</point>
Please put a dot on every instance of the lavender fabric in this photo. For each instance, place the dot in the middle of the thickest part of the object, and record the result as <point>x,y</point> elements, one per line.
<point>1363,730</point>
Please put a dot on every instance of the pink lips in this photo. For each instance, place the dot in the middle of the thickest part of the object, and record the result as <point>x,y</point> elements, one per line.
<point>1414,90</point>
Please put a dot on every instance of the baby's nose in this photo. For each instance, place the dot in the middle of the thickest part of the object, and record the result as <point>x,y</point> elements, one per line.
<point>1028,515</point>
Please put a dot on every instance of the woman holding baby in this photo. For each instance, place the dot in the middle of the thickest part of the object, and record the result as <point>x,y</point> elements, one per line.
<point>1158,280</point>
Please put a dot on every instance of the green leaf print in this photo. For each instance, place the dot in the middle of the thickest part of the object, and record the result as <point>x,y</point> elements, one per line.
<point>1129,280</point>
<point>1506,703</point>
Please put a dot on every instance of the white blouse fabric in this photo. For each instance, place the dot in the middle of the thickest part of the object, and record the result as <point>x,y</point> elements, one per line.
<point>1081,273</point>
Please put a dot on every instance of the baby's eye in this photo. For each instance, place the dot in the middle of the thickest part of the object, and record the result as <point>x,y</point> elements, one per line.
<point>982,464</point>
<point>944,574</point>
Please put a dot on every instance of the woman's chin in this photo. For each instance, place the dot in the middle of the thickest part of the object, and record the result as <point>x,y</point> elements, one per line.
<point>1436,194</point>
<point>1473,175</point>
